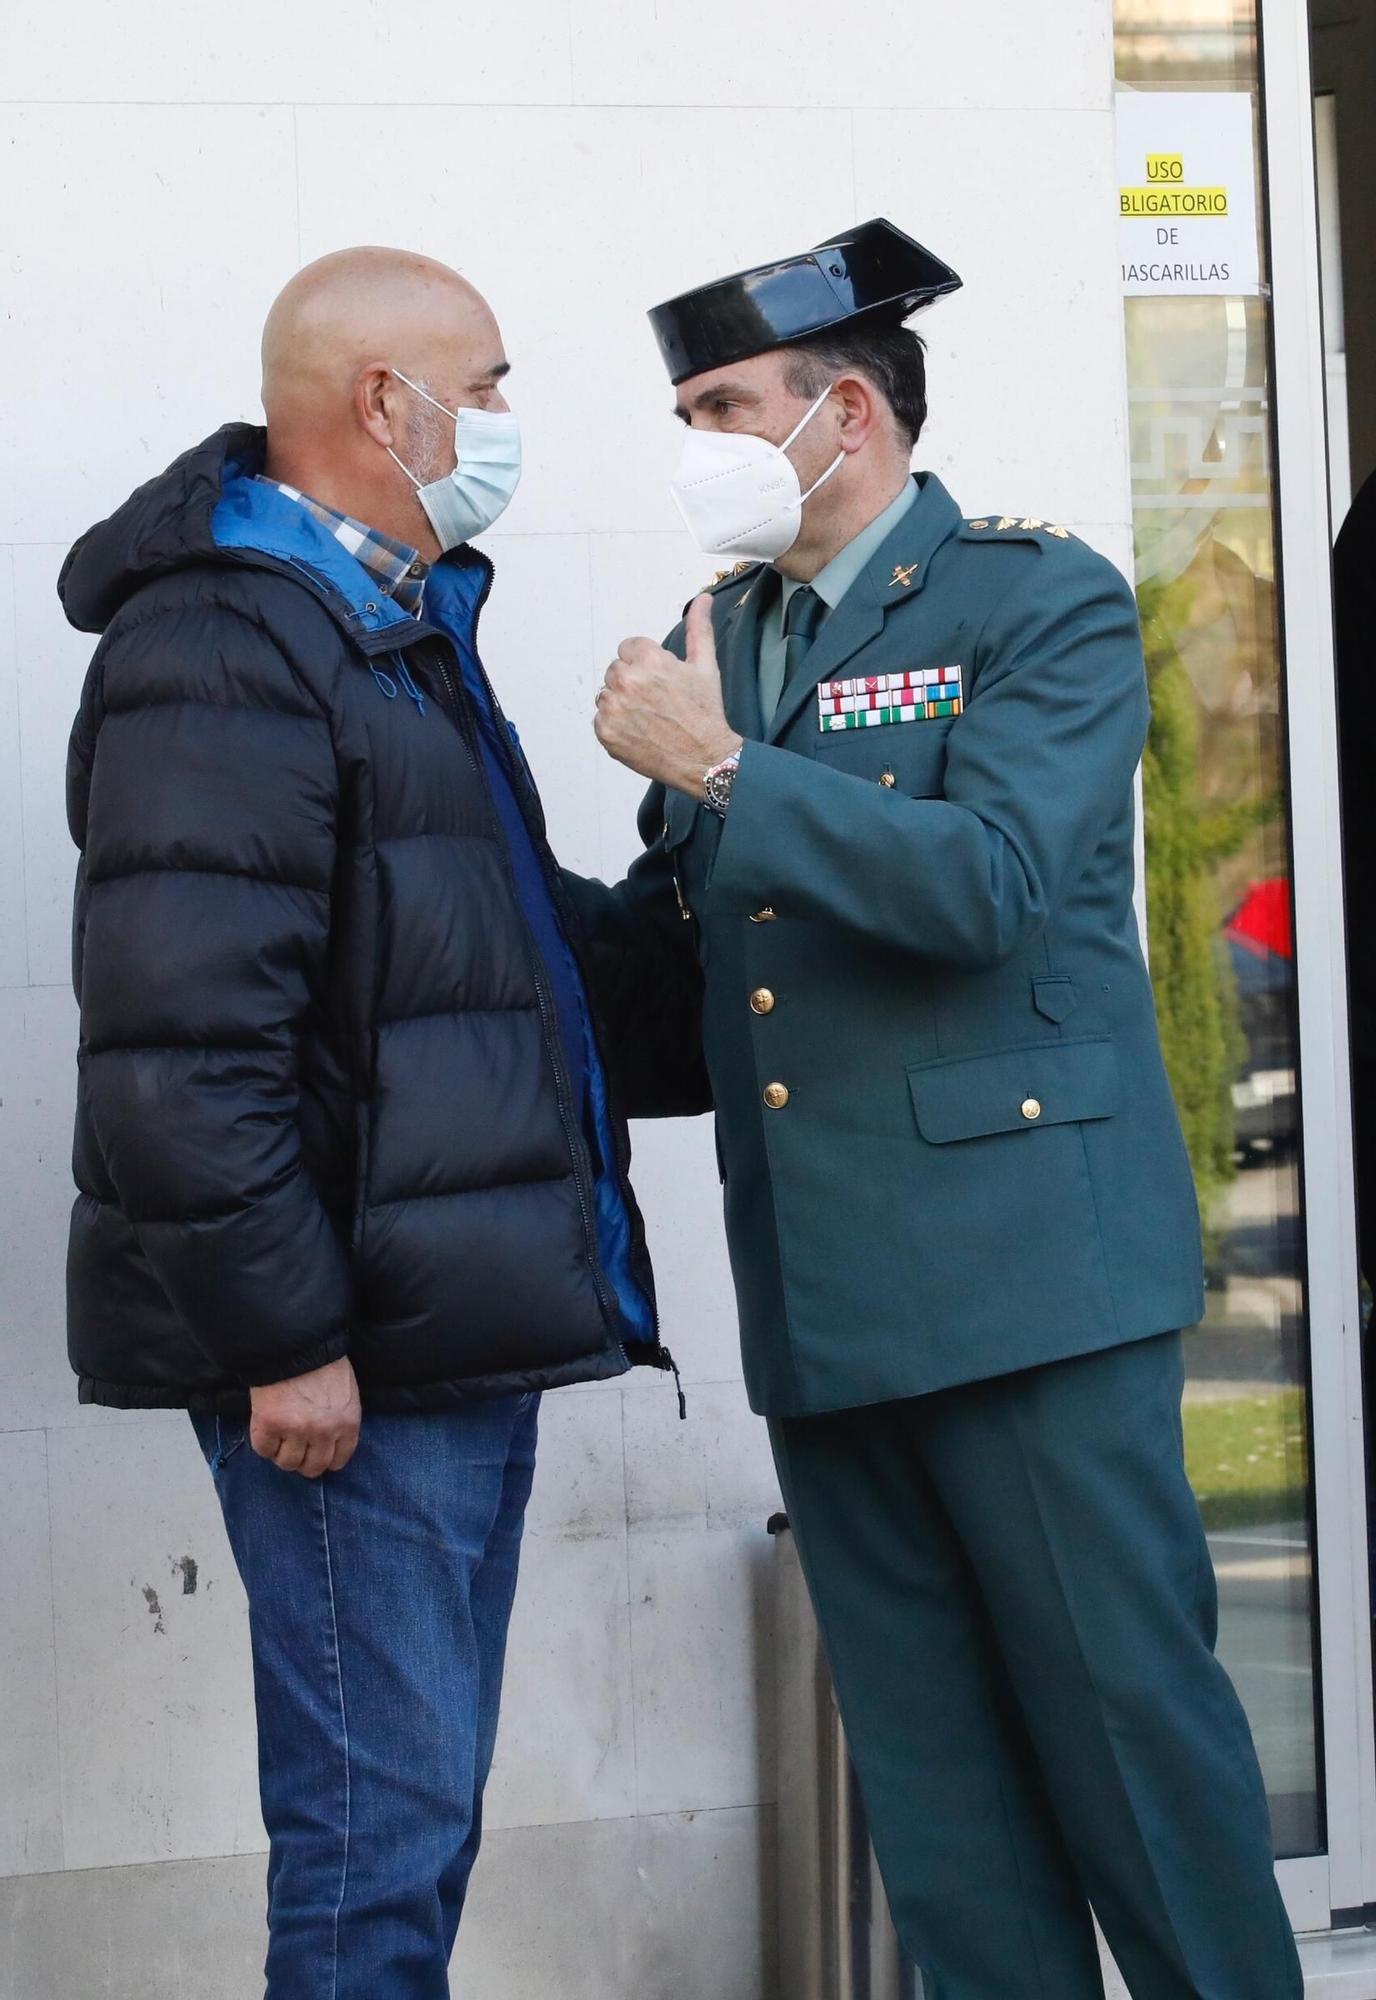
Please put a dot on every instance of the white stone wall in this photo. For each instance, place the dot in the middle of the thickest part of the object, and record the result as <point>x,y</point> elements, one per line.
<point>164,171</point>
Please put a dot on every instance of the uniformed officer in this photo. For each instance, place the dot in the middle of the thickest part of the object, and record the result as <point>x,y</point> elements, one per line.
<point>892,754</point>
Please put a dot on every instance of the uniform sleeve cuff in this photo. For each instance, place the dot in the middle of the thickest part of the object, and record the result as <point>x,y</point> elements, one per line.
<point>739,877</point>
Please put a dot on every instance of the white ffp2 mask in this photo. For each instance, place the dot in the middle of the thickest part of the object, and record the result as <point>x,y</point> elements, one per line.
<point>487,444</point>
<point>740,495</point>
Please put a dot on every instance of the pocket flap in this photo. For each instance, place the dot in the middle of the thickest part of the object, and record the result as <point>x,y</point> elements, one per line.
<point>971,1097</point>
<point>913,754</point>
<point>1054,996</point>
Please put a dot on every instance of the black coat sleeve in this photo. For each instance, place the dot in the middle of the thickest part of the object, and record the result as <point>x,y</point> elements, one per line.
<point>642,963</point>
<point>205,784</point>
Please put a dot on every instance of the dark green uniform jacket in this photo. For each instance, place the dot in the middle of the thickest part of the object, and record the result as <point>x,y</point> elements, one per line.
<point>947,1140</point>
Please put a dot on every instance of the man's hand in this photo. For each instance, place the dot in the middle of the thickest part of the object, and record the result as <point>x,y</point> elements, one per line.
<point>309,1424</point>
<point>664,716</point>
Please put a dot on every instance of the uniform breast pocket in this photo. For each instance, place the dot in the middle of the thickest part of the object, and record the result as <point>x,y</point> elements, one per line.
<point>908,757</point>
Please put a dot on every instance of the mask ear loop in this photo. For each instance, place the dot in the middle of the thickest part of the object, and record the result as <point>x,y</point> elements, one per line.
<point>419,484</point>
<point>799,427</point>
<point>452,414</point>
<point>797,431</point>
<point>818,484</point>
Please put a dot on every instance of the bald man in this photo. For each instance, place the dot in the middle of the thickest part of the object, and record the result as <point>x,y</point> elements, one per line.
<point>352,1183</point>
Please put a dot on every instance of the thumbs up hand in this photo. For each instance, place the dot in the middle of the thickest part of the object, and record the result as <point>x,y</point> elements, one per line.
<point>663,716</point>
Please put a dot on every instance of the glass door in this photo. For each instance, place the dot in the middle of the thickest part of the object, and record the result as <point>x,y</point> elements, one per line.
<point>1335,1334</point>
<point>1246,1010</point>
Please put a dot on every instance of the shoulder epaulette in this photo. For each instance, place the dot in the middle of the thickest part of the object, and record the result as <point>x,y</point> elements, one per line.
<point>725,578</point>
<point>1025,527</point>
<point>728,576</point>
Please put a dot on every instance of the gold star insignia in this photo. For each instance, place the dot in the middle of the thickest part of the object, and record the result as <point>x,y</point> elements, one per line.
<point>1006,521</point>
<point>903,573</point>
<point>1030,523</point>
<point>1061,534</point>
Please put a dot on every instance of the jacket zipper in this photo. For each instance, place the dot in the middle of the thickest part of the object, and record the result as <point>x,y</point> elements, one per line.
<point>620,1161</point>
<point>562,1081</point>
<point>523,784</point>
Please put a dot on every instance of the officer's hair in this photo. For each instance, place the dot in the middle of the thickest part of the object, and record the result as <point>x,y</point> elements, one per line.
<point>890,357</point>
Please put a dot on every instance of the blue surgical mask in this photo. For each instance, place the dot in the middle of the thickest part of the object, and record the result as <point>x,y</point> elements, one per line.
<point>479,489</point>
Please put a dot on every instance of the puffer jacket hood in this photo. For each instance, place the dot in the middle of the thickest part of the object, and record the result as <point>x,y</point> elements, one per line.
<point>163,525</point>
<point>324,1106</point>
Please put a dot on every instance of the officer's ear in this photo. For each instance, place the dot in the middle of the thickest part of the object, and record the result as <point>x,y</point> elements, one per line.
<point>863,410</point>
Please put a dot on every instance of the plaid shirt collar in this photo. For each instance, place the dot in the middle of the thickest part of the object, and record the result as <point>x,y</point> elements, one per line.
<point>397,570</point>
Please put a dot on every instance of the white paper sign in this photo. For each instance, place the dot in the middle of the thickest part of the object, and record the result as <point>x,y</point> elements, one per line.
<point>1187,192</point>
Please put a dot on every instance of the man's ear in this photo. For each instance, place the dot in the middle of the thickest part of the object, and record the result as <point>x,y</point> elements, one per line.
<point>376,393</point>
<point>861,410</point>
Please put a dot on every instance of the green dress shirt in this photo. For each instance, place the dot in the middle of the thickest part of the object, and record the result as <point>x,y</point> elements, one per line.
<point>831,585</point>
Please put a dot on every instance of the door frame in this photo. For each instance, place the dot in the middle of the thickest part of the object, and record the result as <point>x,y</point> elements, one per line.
<point>1344,1880</point>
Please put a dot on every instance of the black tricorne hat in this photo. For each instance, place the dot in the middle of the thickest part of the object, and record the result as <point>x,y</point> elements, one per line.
<point>873,271</point>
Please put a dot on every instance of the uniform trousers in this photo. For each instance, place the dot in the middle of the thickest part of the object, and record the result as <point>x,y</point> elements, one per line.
<point>1019,1610</point>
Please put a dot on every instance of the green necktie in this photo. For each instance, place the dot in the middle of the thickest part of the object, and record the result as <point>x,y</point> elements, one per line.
<point>803,614</point>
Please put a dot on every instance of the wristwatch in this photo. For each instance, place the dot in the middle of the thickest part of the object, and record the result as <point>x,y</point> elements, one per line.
<point>717,783</point>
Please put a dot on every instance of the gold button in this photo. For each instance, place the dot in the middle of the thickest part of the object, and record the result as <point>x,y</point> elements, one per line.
<point>887,780</point>
<point>762,1001</point>
<point>776,1095</point>
<point>1031,1107</point>
<point>764,916</point>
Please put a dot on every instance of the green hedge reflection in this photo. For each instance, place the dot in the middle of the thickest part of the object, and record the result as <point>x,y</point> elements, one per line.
<point>1186,838</point>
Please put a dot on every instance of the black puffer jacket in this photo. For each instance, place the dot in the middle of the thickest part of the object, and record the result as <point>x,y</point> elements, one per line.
<point>322,1105</point>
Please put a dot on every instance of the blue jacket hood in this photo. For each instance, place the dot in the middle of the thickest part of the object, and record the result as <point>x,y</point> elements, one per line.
<point>206,506</point>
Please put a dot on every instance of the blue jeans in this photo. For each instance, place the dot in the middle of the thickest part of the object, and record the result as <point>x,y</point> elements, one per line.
<point>379,1599</point>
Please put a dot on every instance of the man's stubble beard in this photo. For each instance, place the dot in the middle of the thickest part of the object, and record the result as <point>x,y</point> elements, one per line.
<point>429,442</point>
